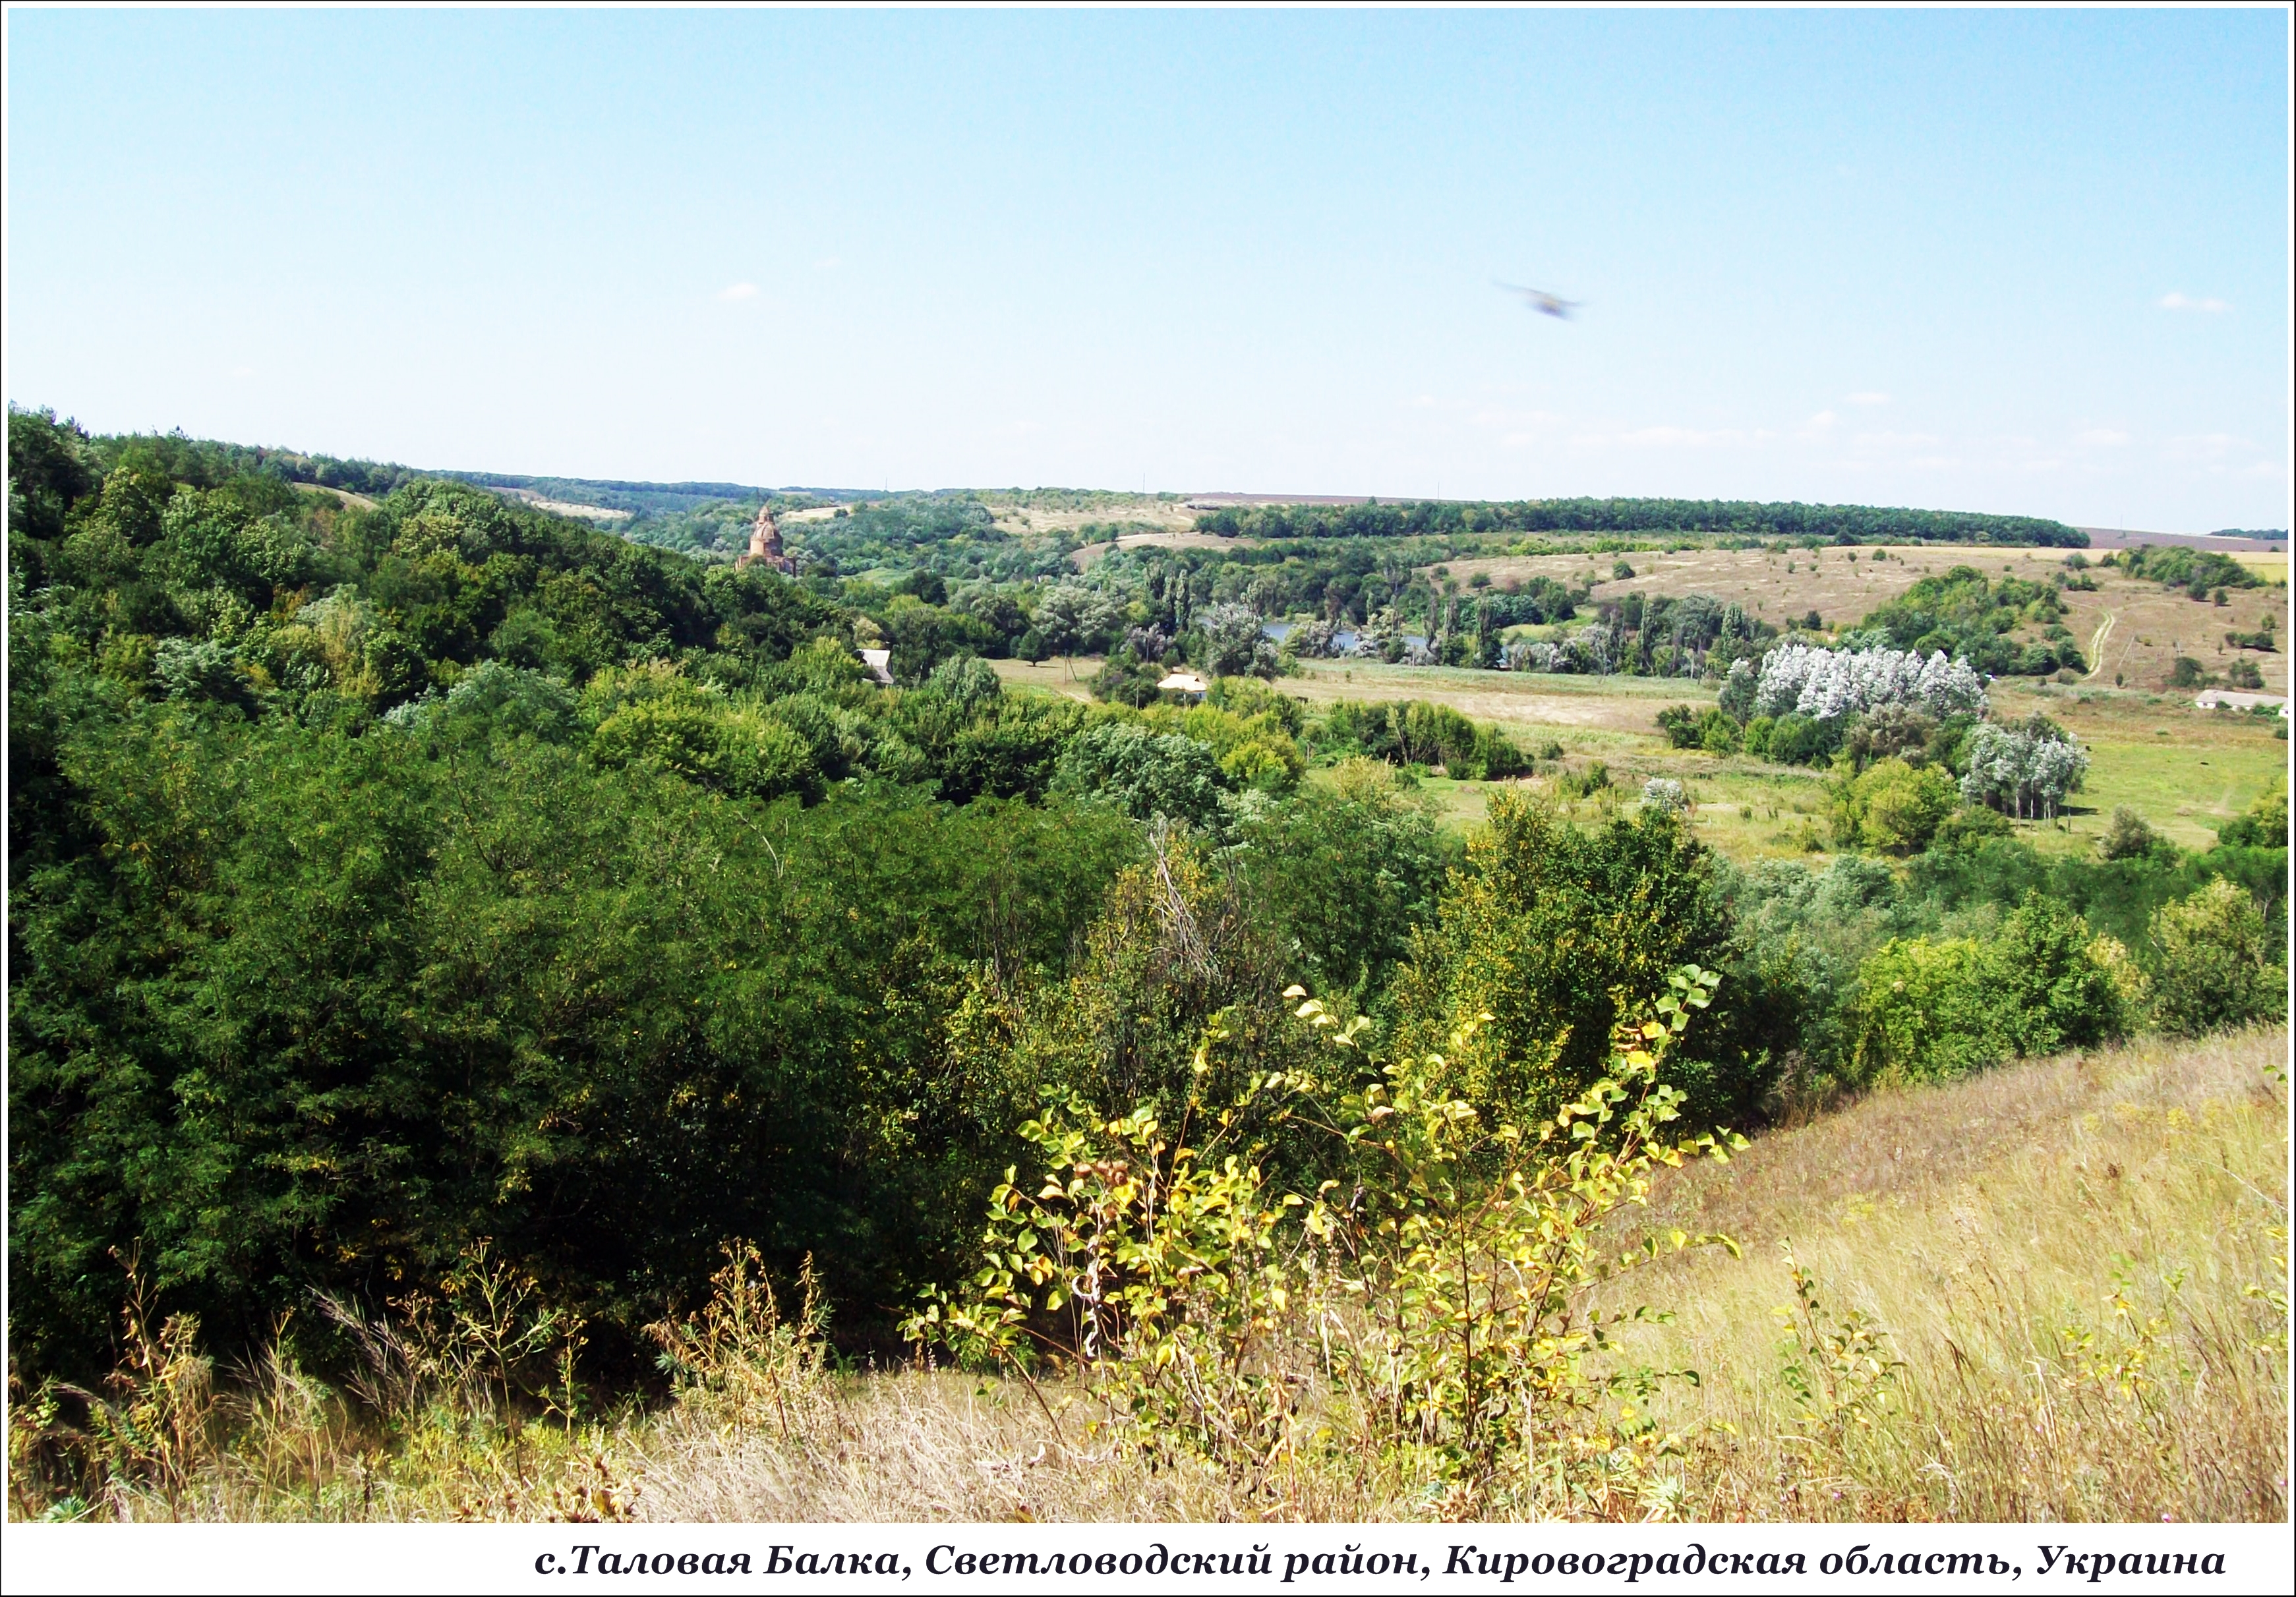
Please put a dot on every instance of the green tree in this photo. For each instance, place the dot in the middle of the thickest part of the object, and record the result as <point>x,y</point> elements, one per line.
<point>1544,927</point>
<point>2265,825</point>
<point>1346,873</point>
<point>1893,807</point>
<point>1923,1010</point>
<point>2213,969</point>
<point>1926,1008</point>
<point>1144,773</point>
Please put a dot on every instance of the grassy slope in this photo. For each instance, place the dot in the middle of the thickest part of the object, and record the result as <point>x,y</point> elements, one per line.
<point>1982,1224</point>
<point>1991,1226</point>
<point>2066,1255</point>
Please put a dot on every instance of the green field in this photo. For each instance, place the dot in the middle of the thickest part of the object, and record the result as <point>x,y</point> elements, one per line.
<point>2186,770</point>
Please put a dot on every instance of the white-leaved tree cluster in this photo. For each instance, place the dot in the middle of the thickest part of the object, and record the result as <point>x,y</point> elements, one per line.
<point>1234,645</point>
<point>1590,651</point>
<point>1827,683</point>
<point>2025,771</point>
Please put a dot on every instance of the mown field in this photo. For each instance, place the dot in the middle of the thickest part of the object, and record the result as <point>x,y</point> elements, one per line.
<point>2131,630</point>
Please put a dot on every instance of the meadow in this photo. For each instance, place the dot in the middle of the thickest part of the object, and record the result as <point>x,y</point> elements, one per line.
<point>2186,770</point>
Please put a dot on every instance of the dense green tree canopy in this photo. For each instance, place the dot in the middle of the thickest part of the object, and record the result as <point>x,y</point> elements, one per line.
<point>1855,522</point>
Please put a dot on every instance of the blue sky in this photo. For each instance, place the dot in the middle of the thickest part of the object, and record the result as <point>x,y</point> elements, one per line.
<point>2026,261</point>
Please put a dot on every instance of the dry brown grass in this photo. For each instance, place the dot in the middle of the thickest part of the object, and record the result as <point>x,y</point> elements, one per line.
<point>356,501</point>
<point>939,1446</point>
<point>1176,538</point>
<point>1030,518</point>
<point>2133,1198</point>
<point>2149,625</point>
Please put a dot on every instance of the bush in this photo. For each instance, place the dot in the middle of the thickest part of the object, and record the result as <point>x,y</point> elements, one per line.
<point>1414,734</point>
<point>2212,971</point>
<point>1930,1008</point>
<point>1346,874</point>
<point>1125,679</point>
<point>1893,807</point>
<point>1794,740</point>
<point>1202,1302</point>
<point>1708,729</point>
<point>2057,982</point>
<point>1898,730</point>
<point>2264,826</point>
<point>734,749</point>
<point>1497,757</point>
<point>1921,1011</point>
<point>966,680</point>
<point>1143,773</point>
<point>1664,793</point>
<point>1970,826</point>
<point>2128,837</point>
<point>1585,783</point>
<point>493,698</point>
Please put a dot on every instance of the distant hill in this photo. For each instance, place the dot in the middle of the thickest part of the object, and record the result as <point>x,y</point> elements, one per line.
<point>657,498</point>
<point>213,459</point>
<point>641,507</point>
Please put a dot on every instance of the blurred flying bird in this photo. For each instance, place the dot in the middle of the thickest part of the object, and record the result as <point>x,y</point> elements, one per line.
<point>1542,302</point>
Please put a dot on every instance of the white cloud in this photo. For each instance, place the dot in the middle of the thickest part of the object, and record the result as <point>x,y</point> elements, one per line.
<point>1673,437</point>
<point>1870,396</point>
<point>738,291</point>
<point>1820,422</point>
<point>1897,440</point>
<point>2206,446</point>
<point>2104,438</point>
<point>828,263</point>
<point>2179,301</point>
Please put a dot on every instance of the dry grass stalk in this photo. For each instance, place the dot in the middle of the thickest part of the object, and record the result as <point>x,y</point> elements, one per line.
<point>2080,1261</point>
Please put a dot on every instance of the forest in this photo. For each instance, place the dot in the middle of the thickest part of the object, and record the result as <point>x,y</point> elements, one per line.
<point>1848,523</point>
<point>390,883</point>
